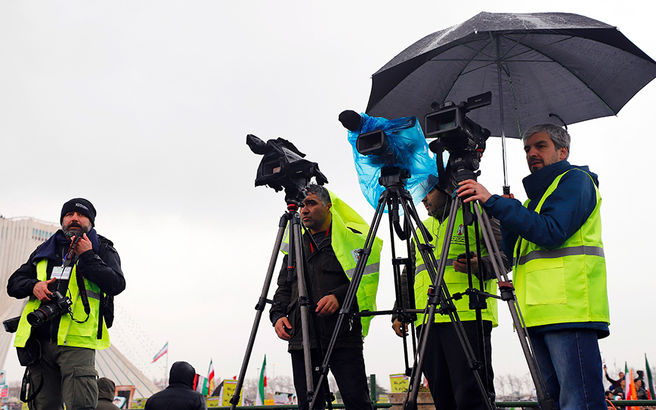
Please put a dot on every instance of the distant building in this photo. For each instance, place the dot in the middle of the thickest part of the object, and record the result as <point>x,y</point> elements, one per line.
<point>18,238</point>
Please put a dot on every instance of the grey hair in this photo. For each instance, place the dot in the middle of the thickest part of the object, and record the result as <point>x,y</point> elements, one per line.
<point>558,135</point>
<point>319,191</point>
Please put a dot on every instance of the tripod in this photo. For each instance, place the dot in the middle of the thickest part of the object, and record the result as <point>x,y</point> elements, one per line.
<point>395,195</point>
<point>507,295</point>
<point>295,264</point>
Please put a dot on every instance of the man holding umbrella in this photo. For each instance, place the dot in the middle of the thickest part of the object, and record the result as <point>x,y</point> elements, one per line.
<point>559,266</point>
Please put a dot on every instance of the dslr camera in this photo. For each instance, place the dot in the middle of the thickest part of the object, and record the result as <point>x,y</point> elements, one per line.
<point>57,306</point>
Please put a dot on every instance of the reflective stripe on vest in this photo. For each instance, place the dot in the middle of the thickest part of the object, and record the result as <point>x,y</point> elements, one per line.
<point>455,281</point>
<point>566,284</point>
<point>560,252</point>
<point>422,266</point>
<point>70,333</point>
<point>368,270</point>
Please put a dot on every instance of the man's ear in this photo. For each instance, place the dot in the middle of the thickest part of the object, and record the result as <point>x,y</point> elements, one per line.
<point>563,153</point>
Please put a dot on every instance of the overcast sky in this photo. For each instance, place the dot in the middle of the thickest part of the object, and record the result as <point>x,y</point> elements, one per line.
<point>143,107</point>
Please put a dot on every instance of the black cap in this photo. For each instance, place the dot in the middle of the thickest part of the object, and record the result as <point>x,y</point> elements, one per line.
<point>81,206</point>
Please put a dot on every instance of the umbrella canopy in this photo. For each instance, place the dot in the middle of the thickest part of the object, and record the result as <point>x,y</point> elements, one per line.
<point>543,67</point>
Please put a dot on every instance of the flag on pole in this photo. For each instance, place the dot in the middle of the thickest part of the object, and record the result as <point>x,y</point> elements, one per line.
<point>259,400</point>
<point>650,380</point>
<point>210,377</point>
<point>200,384</point>
<point>164,350</point>
<point>629,387</point>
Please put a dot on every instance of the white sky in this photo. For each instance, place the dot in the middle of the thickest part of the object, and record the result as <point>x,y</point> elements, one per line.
<point>143,108</point>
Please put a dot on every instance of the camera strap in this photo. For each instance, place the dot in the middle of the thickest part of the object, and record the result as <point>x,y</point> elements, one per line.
<point>101,315</point>
<point>82,291</point>
<point>70,260</point>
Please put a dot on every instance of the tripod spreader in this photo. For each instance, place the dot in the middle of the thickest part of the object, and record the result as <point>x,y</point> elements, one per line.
<point>261,303</point>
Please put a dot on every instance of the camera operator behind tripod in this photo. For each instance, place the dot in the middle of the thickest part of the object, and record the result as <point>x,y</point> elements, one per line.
<point>329,255</point>
<point>445,366</point>
<point>70,280</point>
<point>559,266</point>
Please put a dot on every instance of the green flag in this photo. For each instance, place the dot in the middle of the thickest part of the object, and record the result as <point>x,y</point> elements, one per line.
<point>649,378</point>
<point>259,400</point>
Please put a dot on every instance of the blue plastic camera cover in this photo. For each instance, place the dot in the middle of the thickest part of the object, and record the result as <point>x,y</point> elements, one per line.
<point>406,149</point>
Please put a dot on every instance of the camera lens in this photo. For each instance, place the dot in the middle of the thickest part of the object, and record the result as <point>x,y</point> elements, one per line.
<point>42,314</point>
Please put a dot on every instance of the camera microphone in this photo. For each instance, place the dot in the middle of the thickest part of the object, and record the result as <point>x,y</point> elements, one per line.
<point>350,119</point>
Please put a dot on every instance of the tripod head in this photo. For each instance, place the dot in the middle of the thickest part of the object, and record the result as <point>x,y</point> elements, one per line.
<point>393,177</point>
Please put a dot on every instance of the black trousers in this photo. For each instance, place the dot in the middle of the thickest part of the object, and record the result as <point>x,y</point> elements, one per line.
<point>450,378</point>
<point>347,366</point>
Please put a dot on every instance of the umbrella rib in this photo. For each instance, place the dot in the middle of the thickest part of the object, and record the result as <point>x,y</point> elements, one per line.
<point>479,51</point>
<point>562,66</point>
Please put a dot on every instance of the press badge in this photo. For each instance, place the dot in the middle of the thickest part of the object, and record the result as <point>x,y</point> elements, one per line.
<point>60,272</point>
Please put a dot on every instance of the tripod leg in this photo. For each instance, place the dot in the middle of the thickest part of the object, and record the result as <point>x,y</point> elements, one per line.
<point>441,288</point>
<point>477,302</point>
<point>403,300</point>
<point>261,303</point>
<point>304,301</point>
<point>545,401</point>
<point>347,305</point>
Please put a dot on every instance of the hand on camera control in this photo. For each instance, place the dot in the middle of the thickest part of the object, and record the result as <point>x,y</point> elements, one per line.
<point>471,190</point>
<point>41,290</point>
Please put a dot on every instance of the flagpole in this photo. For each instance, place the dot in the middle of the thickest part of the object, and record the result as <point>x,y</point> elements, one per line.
<point>166,366</point>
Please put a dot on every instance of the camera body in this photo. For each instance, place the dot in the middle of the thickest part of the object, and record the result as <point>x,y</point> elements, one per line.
<point>283,166</point>
<point>58,305</point>
<point>460,136</point>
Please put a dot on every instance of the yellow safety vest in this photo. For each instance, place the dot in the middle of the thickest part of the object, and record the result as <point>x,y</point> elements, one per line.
<point>455,281</point>
<point>348,234</point>
<point>70,333</point>
<point>566,284</point>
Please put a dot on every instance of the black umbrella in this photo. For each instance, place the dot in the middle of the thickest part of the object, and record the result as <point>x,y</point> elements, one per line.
<point>541,67</point>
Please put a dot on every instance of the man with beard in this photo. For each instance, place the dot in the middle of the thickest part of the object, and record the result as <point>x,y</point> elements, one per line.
<point>70,281</point>
<point>559,267</point>
<point>335,233</point>
<point>450,378</point>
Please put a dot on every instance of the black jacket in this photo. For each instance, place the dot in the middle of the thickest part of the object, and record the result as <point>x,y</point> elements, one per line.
<point>324,276</point>
<point>180,394</point>
<point>101,265</point>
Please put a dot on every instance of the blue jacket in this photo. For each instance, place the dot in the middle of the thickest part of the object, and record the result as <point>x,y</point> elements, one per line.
<point>562,214</point>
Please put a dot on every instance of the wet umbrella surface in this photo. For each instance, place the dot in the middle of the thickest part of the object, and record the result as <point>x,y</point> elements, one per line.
<point>543,67</point>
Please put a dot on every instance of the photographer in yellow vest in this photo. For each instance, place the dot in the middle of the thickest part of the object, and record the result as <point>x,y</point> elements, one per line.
<point>69,281</point>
